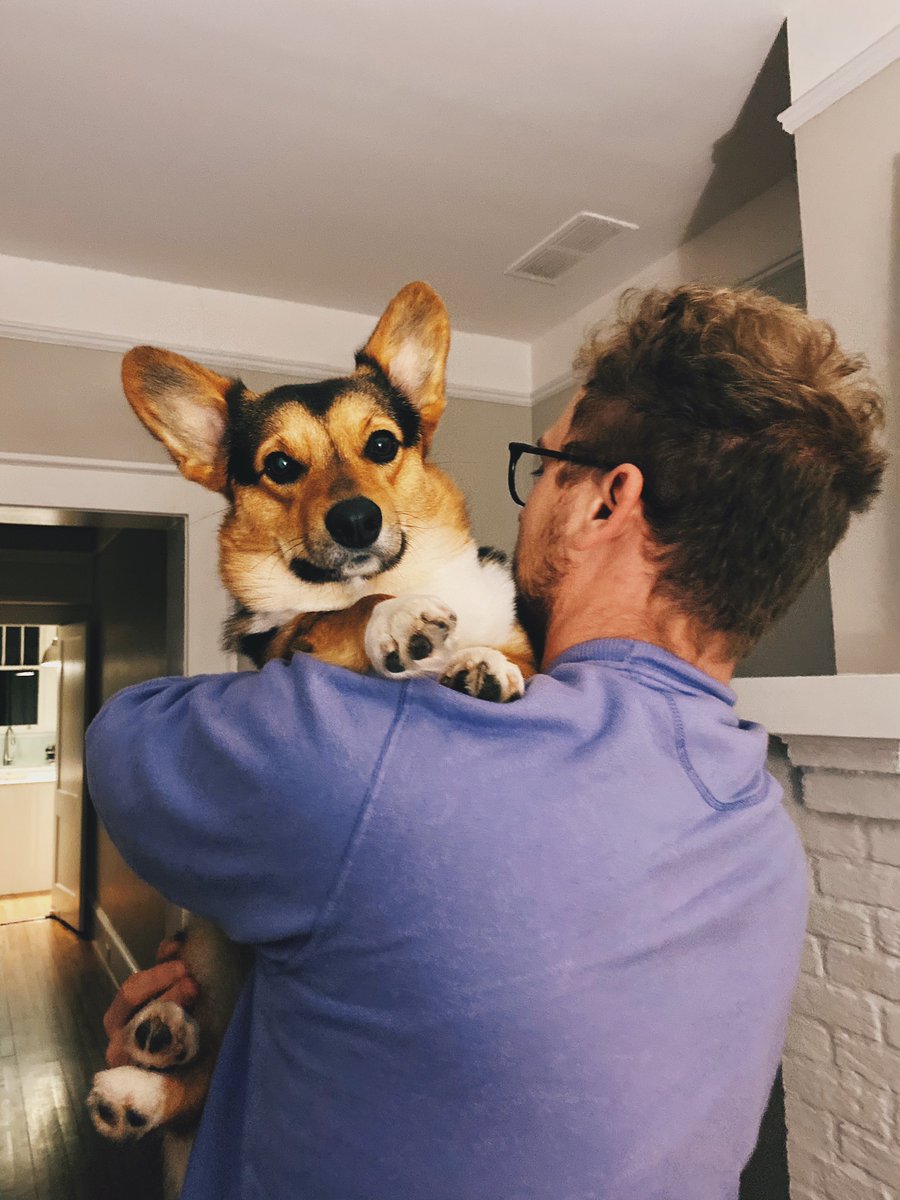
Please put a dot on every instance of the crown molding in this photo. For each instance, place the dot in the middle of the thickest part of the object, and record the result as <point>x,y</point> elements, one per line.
<point>222,360</point>
<point>62,304</point>
<point>10,459</point>
<point>303,371</point>
<point>546,390</point>
<point>840,83</point>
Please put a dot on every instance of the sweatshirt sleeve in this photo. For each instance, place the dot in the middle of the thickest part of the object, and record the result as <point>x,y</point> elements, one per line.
<point>237,795</point>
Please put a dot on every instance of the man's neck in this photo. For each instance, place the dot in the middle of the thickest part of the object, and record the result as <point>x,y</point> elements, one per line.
<point>674,635</point>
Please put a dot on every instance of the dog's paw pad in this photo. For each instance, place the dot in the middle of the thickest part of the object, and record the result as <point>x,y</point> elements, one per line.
<point>410,635</point>
<point>162,1035</point>
<point>127,1102</point>
<point>484,673</point>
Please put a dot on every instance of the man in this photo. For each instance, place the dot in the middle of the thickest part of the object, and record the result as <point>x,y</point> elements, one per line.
<point>543,949</point>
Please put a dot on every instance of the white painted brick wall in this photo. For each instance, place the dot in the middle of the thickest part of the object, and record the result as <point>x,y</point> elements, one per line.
<point>842,1059</point>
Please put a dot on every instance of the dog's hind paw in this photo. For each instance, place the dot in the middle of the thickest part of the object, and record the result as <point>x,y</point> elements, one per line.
<point>485,673</point>
<point>127,1102</point>
<point>162,1035</point>
<point>410,636</point>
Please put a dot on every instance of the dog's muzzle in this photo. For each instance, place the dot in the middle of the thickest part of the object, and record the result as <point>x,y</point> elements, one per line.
<point>354,523</point>
<point>358,546</point>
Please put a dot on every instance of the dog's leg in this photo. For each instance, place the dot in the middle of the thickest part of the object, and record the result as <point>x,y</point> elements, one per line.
<point>489,673</point>
<point>127,1102</point>
<point>337,637</point>
<point>162,1035</point>
<point>411,636</point>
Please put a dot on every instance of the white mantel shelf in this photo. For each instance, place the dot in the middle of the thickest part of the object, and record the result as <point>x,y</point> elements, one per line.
<point>841,706</point>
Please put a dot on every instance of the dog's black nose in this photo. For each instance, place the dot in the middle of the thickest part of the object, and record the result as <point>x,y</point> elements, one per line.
<point>354,523</point>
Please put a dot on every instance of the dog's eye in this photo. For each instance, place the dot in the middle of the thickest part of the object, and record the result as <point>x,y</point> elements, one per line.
<point>382,447</point>
<point>280,468</point>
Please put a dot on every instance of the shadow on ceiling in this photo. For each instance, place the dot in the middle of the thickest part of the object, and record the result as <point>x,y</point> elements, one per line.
<point>756,152</point>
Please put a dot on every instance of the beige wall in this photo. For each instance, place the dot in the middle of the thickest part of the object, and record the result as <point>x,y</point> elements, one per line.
<point>66,400</point>
<point>847,159</point>
<point>546,411</point>
<point>471,444</point>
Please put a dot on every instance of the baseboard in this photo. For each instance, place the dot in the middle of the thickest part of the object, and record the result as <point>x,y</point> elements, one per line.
<point>111,950</point>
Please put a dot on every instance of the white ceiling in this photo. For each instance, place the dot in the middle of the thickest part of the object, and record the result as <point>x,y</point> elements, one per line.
<point>328,152</point>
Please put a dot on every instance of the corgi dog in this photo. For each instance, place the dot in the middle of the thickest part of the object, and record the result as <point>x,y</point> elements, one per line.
<point>341,540</point>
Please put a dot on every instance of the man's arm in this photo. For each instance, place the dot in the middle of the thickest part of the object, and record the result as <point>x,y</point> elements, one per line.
<point>237,795</point>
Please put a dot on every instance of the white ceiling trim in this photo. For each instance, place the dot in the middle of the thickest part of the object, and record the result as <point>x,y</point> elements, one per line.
<point>222,360</point>
<point>103,310</point>
<point>853,74</point>
<point>565,380</point>
<point>10,459</point>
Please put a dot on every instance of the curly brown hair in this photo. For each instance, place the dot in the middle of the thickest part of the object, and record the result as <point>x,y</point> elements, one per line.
<point>755,434</point>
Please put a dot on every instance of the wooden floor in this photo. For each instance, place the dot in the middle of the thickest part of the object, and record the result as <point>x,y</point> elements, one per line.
<point>53,993</point>
<point>26,907</point>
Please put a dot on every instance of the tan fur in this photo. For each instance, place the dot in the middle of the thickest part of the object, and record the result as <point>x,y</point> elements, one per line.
<point>334,637</point>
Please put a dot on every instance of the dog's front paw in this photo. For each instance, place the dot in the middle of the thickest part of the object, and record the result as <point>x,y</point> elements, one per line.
<point>485,673</point>
<point>410,635</point>
<point>127,1102</point>
<point>162,1035</point>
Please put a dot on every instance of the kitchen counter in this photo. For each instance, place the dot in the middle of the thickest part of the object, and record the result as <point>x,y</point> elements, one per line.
<point>45,773</point>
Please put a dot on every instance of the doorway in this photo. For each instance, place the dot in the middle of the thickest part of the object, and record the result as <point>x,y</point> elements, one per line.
<point>102,596</point>
<point>29,724</point>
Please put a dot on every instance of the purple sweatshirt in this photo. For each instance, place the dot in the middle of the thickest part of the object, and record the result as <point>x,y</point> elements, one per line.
<point>538,950</point>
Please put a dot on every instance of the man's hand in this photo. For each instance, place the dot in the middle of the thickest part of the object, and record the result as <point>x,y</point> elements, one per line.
<point>168,980</point>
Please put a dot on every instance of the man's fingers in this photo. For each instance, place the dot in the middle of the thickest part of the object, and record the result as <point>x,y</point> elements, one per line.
<point>170,948</point>
<point>183,993</point>
<point>137,990</point>
<point>116,1055</point>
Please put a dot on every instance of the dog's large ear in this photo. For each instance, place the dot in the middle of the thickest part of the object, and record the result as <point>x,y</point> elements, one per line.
<point>410,344</point>
<point>184,405</point>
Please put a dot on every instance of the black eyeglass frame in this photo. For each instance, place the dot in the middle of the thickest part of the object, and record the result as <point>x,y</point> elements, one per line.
<point>517,449</point>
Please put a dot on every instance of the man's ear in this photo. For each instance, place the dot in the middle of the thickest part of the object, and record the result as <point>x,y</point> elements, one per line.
<point>607,507</point>
<point>410,344</point>
<point>184,405</point>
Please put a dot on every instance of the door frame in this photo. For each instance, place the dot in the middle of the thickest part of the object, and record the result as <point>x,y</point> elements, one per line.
<point>35,490</point>
<point>49,491</point>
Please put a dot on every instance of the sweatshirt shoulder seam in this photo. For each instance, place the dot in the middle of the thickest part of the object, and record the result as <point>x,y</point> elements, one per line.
<point>741,801</point>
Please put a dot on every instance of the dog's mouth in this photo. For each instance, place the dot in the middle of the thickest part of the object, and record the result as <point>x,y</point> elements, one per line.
<point>340,565</point>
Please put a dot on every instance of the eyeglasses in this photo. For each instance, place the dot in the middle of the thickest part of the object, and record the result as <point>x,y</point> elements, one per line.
<point>524,474</point>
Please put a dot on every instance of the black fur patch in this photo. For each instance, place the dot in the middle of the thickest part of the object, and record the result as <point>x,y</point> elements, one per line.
<point>403,412</point>
<point>308,572</point>
<point>235,636</point>
<point>255,645</point>
<point>490,554</point>
<point>248,421</point>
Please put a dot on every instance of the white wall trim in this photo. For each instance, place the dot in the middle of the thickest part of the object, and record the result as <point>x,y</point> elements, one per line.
<point>114,955</point>
<point>823,706</point>
<point>840,83</point>
<point>546,390</point>
<point>301,370</point>
<point>103,310</point>
<point>760,277</point>
<point>8,458</point>
<point>119,343</point>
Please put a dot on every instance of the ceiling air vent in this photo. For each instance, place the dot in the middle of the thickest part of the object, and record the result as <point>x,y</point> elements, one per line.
<point>566,246</point>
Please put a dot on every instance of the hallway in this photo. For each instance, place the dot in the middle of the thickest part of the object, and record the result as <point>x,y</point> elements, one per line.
<point>53,993</point>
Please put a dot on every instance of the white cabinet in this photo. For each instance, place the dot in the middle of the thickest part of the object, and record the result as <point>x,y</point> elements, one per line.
<point>26,836</point>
